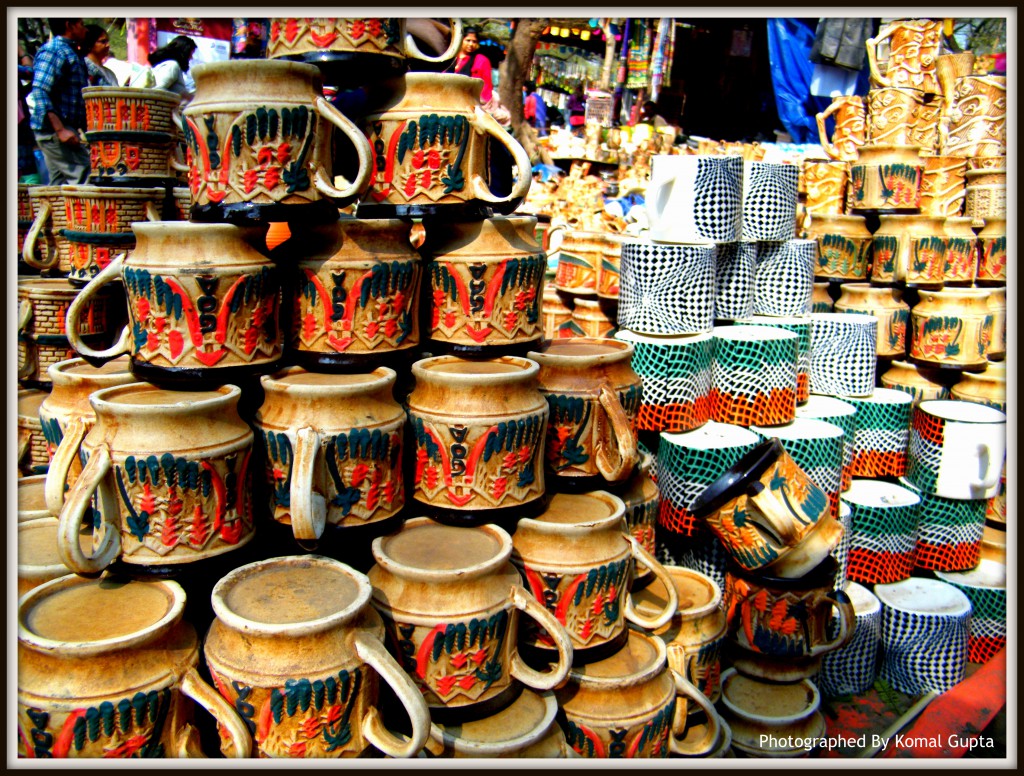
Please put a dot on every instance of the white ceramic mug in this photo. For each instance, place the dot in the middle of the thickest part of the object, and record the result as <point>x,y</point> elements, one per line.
<point>695,198</point>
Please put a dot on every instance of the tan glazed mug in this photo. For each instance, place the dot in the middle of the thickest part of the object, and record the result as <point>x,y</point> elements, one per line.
<point>850,132</point>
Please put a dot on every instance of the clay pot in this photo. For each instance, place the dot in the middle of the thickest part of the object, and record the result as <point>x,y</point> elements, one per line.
<point>107,668</point>
<point>593,396</point>
<point>887,305</point>
<point>943,186</point>
<point>760,713</point>
<point>33,457</point>
<point>886,177</point>
<point>479,429</point>
<point>992,253</point>
<point>298,652</point>
<point>909,249</point>
<point>844,247</point>
<point>920,382</point>
<point>961,252</point>
<point>451,600</point>
<point>332,449</point>
<point>952,329</point>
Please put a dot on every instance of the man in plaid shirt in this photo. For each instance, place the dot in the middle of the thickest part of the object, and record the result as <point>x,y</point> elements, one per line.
<point>58,111</point>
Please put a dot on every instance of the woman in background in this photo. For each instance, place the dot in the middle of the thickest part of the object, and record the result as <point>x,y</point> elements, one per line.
<point>170,67</point>
<point>470,62</point>
<point>96,50</point>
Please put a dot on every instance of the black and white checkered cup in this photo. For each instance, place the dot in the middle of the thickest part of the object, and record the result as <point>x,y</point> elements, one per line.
<point>693,199</point>
<point>735,269</point>
<point>843,354</point>
<point>666,288</point>
<point>769,201</point>
<point>784,277</point>
<point>852,669</point>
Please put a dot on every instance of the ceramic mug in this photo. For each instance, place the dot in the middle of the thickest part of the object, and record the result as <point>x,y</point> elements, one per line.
<point>842,550</point>
<point>784,278</point>
<point>826,182</point>
<point>909,249</point>
<point>592,318</point>
<point>844,247</point>
<point>924,635</point>
<point>33,457</point>
<point>593,399</point>
<point>977,125</point>
<point>892,113</point>
<point>952,329</point>
<point>667,288</point>
<point>580,254</point>
<point>44,247</point>
<point>992,253</point>
<point>837,413</point>
<point>882,433</point>
<point>31,498</point>
<point>885,519</point>
<point>696,199</point>
<point>853,668</point>
<point>555,311</point>
<point>258,137</point>
<point>735,274</point>
<point>578,560</point>
<point>120,682</point>
<point>887,305</point>
<point>843,353</point>
<point>632,705</point>
<point>676,377</point>
<point>985,587</point>
<point>770,516</point>
<point>801,326</point>
<point>641,498</point>
<point>768,718</point>
<point>451,604</point>
<point>332,449</point>
<point>298,651</point>
<point>943,186</point>
<point>949,531</point>
<point>961,262</point>
<point>919,382</point>
<point>886,177</point>
<point>850,131</point>
<point>203,304</point>
<point>170,472</point>
<point>430,148</point>
<point>769,201</point>
<point>25,215</point>
<point>753,375</point>
<point>914,48</point>
<point>609,271</point>
<point>956,449</point>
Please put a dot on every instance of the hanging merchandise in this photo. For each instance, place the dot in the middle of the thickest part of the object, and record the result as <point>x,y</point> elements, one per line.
<point>638,62</point>
<point>789,42</point>
<point>658,61</point>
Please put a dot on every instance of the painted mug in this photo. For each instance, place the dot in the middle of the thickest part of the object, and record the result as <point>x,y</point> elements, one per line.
<point>850,119</point>
<point>667,288</point>
<point>885,519</point>
<point>44,247</point>
<point>695,199</point>
<point>914,48</point>
<point>754,375</point>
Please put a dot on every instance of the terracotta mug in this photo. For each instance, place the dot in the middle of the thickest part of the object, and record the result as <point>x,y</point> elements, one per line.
<point>887,305</point>
<point>579,562</point>
<point>170,472</point>
<point>633,705</point>
<point>961,262</point>
<point>44,246</point>
<point>992,253</point>
<point>593,318</point>
<point>451,603</point>
<point>479,429</point>
<point>593,398</point>
<point>332,449</point>
<point>911,249</point>
<point>770,719</point>
<point>886,177</point>
<point>258,134</point>
<point>914,47</point>
<point>844,247</point>
<point>121,681</point>
<point>31,498</point>
<point>580,254</point>
<point>555,311</point>
<point>926,129</point>
<point>948,68</point>
<point>430,146</point>
<point>952,329</point>
<point>203,304</point>
<point>298,651</point>
<point>825,183</point>
<point>943,186</point>
<point>850,131</point>
<point>892,115</point>
<point>977,120</point>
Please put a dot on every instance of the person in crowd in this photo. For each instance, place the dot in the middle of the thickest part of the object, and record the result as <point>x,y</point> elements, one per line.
<point>170,65</point>
<point>470,62</point>
<point>96,49</point>
<point>577,107</point>
<point>58,108</point>
<point>27,171</point>
<point>534,110</point>
<point>649,115</point>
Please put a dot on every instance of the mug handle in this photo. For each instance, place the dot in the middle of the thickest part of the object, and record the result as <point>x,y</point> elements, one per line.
<point>111,272</point>
<point>554,229</point>
<point>362,146</point>
<point>373,652</point>
<point>826,145</point>
<point>238,742</point>
<point>73,514</point>
<point>555,676</point>
<point>24,319</point>
<point>24,315</point>
<point>24,440</point>
<point>63,457</point>
<point>308,508</point>
<point>847,622</point>
<point>985,452</point>
<point>488,124</point>
<point>153,212</point>
<point>413,50</point>
<point>28,248</point>
<point>685,687</point>
<point>776,518</point>
<point>642,555</point>
<point>624,441</point>
<point>659,196</point>
<point>872,46</point>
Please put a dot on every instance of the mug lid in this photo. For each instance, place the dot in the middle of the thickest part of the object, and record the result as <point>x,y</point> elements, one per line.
<point>37,546</point>
<point>519,725</point>
<point>882,396</point>
<point>29,400</point>
<point>748,332</point>
<point>734,480</point>
<point>924,597</point>
<point>468,373</point>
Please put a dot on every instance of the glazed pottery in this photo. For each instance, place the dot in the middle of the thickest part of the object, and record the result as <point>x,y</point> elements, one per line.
<point>843,353</point>
<point>886,177</point>
<point>580,254</point>
<point>825,183</point>
<point>919,382</point>
<point>988,387</point>
<point>784,278</point>
<point>885,523</point>
<point>852,669</point>
<point>735,271</point>
<point>887,305</point>
<point>696,199</point>
<point>687,464</point>
<point>769,201</point>
<point>909,249</point>
<point>844,247</point>
<point>949,531</point>
<point>132,162</point>
<point>632,705</point>
<point>961,253</point>
<point>943,186</point>
<point>578,560</point>
<point>609,270</point>
<point>801,326</point>
<point>527,728</point>
<point>555,311</point>
<point>985,194</point>
<point>997,306</point>
<point>956,449</point>
<point>925,132</point>
<point>977,119</point>
<point>33,456</point>
<point>258,137</point>
<point>593,399</point>
<point>892,115</point>
<point>641,497</point>
<point>753,375</point>
<point>332,449</point>
<point>667,288</point>
<point>948,68</point>
<point>67,416</point>
<point>108,668</point>
<point>99,224</point>
<point>38,561</point>
<point>430,149</point>
<point>676,376</point>
<point>353,286</point>
<point>203,304</point>
<point>451,604</point>
<point>485,286</point>
<point>821,299</point>
<point>766,718</point>
<point>924,635</point>
<point>118,109</point>
<point>44,247</point>
<point>42,326</point>
<point>952,329</point>
<point>592,318</point>
<point>842,550</point>
<point>992,253</point>
<point>837,413</point>
<point>297,650</point>
<point>914,48</point>
<point>693,637</point>
<point>882,422</point>
<point>171,474</point>
<point>25,215</point>
<point>850,131</point>
<point>985,587</point>
<point>31,498</point>
<point>772,518</point>
<point>993,543</point>
<point>479,429</point>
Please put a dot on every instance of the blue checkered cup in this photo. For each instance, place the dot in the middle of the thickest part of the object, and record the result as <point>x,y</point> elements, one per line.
<point>784,277</point>
<point>666,289</point>
<point>769,201</point>
<point>852,669</point>
<point>694,199</point>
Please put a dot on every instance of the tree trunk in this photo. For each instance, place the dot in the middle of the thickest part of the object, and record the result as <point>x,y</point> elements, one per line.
<point>527,137</point>
<point>610,50</point>
<point>516,67</point>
